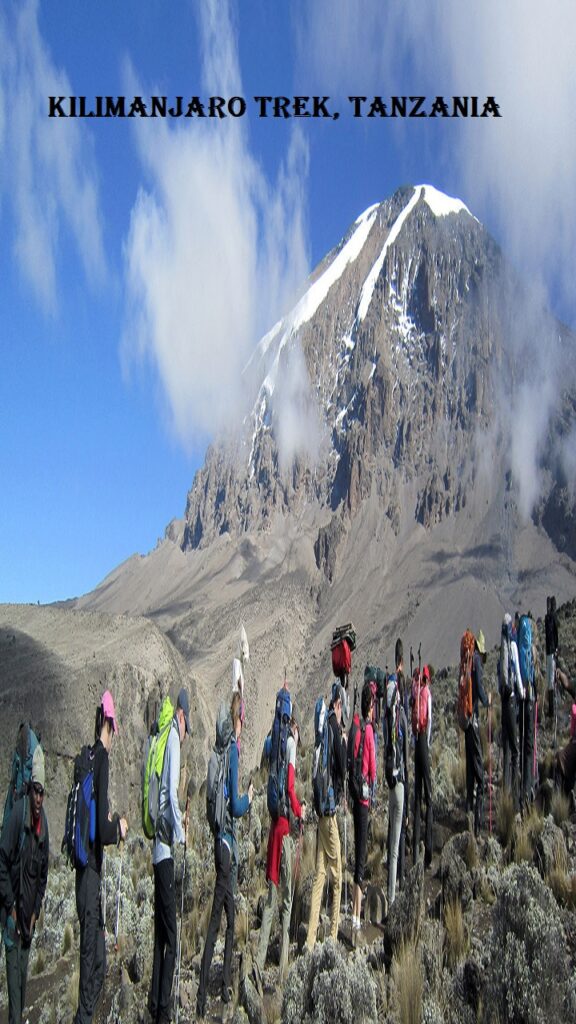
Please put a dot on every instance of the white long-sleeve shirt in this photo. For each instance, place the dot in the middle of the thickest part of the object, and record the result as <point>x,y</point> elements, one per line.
<point>169,807</point>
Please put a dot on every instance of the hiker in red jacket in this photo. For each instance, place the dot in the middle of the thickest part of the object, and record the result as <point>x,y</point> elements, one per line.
<point>421,705</point>
<point>362,744</point>
<point>280,865</point>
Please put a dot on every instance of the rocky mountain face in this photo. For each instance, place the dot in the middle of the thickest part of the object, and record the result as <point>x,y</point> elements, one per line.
<point>407,331</point>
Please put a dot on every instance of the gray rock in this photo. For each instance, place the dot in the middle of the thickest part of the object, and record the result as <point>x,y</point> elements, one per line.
<point>405,915</point>
<point>454,874</point>
<point>550,849</point>
<point>376,905</point>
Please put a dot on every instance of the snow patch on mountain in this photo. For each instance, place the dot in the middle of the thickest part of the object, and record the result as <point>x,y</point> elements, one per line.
<point>370,282</point>
<point>441,204</point>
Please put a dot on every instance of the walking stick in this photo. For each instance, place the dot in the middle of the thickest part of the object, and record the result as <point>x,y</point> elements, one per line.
<point>345,849</point>
<point>490,761</point>
<point>555,705</point>
<point>535,771</point>
<point>179,950</point>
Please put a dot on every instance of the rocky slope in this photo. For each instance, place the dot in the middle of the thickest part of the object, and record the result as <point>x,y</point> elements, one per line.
<point>487,934</point>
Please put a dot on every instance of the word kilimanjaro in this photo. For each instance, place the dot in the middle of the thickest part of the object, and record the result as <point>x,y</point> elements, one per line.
<point>283,107</point>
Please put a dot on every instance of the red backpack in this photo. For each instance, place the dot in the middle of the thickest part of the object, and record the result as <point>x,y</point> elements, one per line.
<point>465,708</point>
<point>419,701</point>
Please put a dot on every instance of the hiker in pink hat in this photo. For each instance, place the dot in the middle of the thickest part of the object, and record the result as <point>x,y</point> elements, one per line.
<point>110,828</point>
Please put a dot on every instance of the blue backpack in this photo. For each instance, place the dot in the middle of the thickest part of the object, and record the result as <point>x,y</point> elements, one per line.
<point>277,793</point>
<point>525,653</point>
<point>322,784</point>
<point>80,823</point>
<point>21,771</point>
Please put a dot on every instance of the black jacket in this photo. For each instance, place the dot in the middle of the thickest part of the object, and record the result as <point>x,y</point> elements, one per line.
<point>338,758</point>
<point>23,867</point>
<point>107,831</point>
<point>478,691</point>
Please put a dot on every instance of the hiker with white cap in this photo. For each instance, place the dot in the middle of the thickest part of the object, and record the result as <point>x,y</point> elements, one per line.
<point>23,877</point>
<point>110,829</point>
<point>473,742</point>
<point>169,830</point>
<point>511,691</point>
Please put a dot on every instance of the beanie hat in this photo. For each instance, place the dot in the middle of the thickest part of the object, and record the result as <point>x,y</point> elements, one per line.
<point>38,773</point>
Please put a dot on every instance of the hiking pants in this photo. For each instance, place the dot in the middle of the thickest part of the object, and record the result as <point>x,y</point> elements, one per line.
<point>526,730</point>
<point>164,940</point>
<point>284,891</point>
<point>223,898</point>
<point>510,747</point>
<point>16,974</point>
<point>474,772</point>
<point>422,780</point>
<point>395,816</point>
<point>327,855</point>
<point>360,814</point>
<point>92,943</point>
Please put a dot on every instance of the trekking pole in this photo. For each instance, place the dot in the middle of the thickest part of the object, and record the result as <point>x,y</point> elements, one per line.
<point>118,903</point>
<point>535,765</point>
<point>345,849</point>
<point>419,658</point>
<point>555,706</point>
<point>179,950</point>
<point>411,662</point>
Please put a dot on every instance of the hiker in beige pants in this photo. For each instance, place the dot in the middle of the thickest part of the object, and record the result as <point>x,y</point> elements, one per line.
<point>328,838</point>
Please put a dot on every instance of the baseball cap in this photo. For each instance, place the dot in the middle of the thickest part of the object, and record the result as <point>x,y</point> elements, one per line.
<point>481,642</point>
<point>184,704</point>
<point>108,709</point>
<point>38,773</point>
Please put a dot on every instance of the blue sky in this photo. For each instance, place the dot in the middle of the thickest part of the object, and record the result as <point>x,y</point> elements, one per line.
<point>140,262</point>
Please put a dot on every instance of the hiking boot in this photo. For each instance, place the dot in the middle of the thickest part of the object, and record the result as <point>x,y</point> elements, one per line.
<point>200,1013</point>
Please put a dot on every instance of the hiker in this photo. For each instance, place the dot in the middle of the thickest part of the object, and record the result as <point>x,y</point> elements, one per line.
<point>511,691</point>
<point>421,707</point>
<point>472,740</point>
<point>526,707</point>
<point>280,864</point>
<point>169,830</point>
<point>328,852</point>
<point>228,729</point>
<point>399,678</point>
<point>397,779</point>
<point>109,829</point>
<point>23,876</point>
<point>362,773</point>
<point>551,634</point>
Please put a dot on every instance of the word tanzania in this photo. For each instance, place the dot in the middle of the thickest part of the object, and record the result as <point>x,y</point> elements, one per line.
<point>271,106</point>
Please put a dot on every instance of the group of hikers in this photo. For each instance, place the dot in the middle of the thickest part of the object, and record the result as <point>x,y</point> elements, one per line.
<point>392,709</point>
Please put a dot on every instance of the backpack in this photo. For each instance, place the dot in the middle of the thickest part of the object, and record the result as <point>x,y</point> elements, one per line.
<point>342,645</point>
<point>277,792</point>
<point>21,770</point>
<point>419,703</point>
<point>357,785</point>
<point>218,767</point>
<point>80,821</point>
<point>525,652</point>
<point>465,707</point>
<point>152,768</point>
<point>322,785</point>
<point>391,759</point>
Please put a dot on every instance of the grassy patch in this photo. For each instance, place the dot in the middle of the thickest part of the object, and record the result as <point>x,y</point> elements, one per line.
<point>408,983</point>
<point>456,939</point>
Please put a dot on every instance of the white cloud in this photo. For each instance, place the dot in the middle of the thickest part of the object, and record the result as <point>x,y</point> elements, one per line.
<point>46,179</point>
<point>215,250</point>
